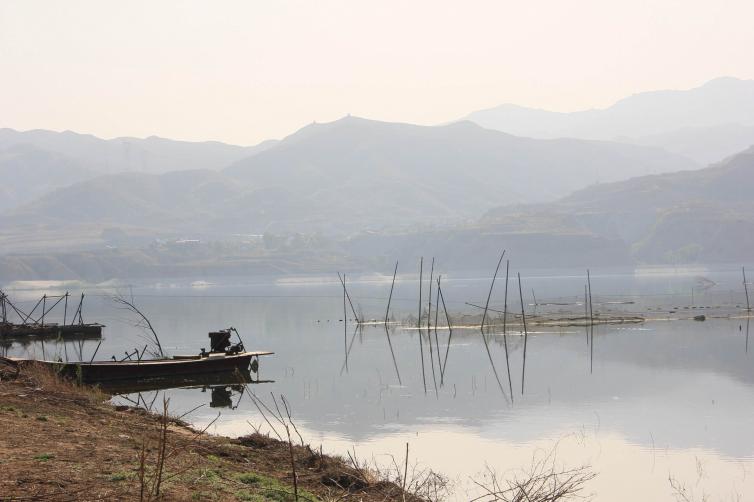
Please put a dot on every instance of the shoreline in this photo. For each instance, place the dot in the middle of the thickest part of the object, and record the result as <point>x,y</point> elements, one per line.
<point>64,442</point>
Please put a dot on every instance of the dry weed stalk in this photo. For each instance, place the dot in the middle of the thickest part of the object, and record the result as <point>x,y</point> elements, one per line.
<point>286,422</point>
<point>143,323</point>
<point>543,481</point>
<point>151,478</point>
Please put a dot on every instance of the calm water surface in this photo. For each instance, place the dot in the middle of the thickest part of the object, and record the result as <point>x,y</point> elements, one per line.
<point>647,402</point>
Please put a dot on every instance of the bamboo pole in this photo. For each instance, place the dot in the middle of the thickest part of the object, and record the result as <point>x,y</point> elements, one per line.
<point>489,295</point>
<point>389,298</point>
<point>746,289</point>
<point>450,334</point>
<point>421,267</point>
<point>419,323</point>
<point>591,322</point>
<point>591,310</point>
<point>429,302</point>
<point>484,337</point>
<point>345,323</point>
<point>586,314</point>
<point>437,315</point>
<point>505,330</point>
<point>526,334</point>
<point>353,310</point>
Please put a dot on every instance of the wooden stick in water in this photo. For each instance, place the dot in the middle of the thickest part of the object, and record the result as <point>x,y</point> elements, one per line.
<point>589,284</point>
<point>484,337</point>
<point>482,308</point>
<point>489,295</point>
<point>429,302</point>
<point>586,314</point>
<point>419,323</point>
<point>746,289</point>
<point>343,281</point>
<point>505,330</point>
<point>591,322</point>
<point>437,315</point>
<point>387,311</point>
<point>345,322</point>
<point>421,265</point>
<point>450,333</point>
<point>526,334</point>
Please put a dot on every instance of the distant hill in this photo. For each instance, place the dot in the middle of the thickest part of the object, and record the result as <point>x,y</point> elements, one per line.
<point>171,201</point>
<point>697,216</point>
<point>349,176</point>
<point>27,173</point>
<point>704,216</point>
<point>703,144</point>
<point>361,174</point>
<point>34,163</point>
<point>687,122</point>
<point>150,155</point>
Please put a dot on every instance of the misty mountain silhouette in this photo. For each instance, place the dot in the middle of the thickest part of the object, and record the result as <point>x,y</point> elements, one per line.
<point>685,122</point>
<point>704,216</point>
<point>354,175</point>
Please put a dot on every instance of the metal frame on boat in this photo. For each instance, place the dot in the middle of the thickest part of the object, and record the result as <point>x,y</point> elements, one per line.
<point>30,326</point>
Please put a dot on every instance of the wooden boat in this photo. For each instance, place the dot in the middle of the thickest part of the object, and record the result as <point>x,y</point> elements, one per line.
<point>108,371</point>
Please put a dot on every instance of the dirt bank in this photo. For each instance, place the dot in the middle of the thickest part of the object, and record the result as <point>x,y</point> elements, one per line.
<point>63,442</point>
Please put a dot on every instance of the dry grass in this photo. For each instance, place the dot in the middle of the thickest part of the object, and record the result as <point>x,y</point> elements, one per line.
<point>46,378</point>
<point>64,442</point>
<point>545,480</point>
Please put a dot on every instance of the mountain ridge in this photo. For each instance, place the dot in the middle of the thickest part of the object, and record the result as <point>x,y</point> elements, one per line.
<point>352,175</point>
<point>721,101</point>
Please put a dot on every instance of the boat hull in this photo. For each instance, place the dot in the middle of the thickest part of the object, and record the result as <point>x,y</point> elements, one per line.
<point>112,371</point>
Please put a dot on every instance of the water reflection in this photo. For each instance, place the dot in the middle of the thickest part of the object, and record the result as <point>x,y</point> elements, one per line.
<point>662,392</point>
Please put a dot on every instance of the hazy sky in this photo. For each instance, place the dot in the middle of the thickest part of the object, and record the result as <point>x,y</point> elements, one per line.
<point>246,71</point>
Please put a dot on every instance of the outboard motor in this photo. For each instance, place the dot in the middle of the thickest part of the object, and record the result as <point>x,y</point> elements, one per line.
<point>219,341</point>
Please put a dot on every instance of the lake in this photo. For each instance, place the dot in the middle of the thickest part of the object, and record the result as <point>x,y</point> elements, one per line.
<point>640,404</point>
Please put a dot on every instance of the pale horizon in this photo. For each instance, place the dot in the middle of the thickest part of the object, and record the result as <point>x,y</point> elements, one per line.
<point>243,73</point>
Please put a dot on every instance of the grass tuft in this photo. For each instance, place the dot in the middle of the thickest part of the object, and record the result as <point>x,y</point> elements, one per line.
<point>120,476</point>
<point>264,488</point>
